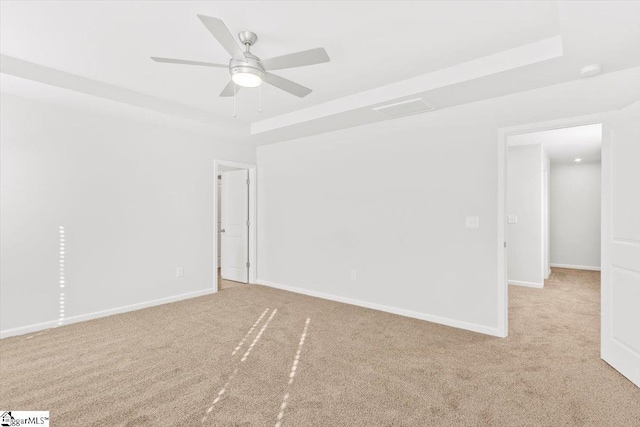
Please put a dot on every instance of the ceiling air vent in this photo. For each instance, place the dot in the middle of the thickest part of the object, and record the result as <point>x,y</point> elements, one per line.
<point>405,108</point>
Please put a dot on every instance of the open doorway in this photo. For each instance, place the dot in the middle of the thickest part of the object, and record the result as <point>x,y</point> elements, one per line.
<point>235,224</point>
<point>614,322</point>
<point>553,204</point>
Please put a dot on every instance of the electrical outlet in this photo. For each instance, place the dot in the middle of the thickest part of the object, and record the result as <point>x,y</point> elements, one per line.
<point>473,222</point>
<point>179,271</point>
<point>512,219</point>
<point>353,275</point>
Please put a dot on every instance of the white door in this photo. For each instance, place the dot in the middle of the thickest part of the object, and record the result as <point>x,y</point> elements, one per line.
<point>219,214</point>
<point>234,222</point>
<point>621,242</point>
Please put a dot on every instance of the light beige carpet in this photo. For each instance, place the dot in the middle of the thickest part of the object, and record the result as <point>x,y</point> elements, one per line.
<point>228,284</point>
<point>167,365</point>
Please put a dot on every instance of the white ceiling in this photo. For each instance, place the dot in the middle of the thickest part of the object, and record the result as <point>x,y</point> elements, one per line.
<point>567,144</point>
<point>370,43</point>
<point>389,49</point>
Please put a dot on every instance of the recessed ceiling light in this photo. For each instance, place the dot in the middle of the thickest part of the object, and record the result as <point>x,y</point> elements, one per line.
<point>577,160</point>
<point>591,70</point>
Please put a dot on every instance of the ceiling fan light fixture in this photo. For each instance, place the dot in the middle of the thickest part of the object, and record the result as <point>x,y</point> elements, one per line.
<point>247,76</point>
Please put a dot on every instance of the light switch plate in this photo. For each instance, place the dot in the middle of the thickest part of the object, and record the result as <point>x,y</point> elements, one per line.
<point>473,222</point>
<point>512,219</point>
<point>179,271</point>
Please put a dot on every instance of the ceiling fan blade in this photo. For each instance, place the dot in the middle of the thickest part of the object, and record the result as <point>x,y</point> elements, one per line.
<point>287,85</point>
<point>186,62</point>
<point>298,59</point>
<point>230,89</point>
<point>223,35</point>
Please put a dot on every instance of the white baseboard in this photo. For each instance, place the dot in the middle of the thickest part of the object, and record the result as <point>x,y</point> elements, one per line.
<point>526,284</point>
<point>576,267</point>
<point>474,327</point>
<point>103,313</point>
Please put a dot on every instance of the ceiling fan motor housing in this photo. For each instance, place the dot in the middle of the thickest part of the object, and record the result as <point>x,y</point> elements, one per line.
<point>251,65</point>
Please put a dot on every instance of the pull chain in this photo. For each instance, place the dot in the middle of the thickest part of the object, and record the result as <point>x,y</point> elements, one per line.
<point>260,99</point>
<point>234,99</point>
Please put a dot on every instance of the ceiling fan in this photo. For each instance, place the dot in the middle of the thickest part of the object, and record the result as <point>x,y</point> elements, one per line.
<point>246,69</point>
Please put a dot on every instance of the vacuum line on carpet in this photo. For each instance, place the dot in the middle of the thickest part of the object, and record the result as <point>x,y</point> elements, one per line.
<point>249,333</point>
<point>257,338</point>
<point>292,375</point>
<point>223,390</point>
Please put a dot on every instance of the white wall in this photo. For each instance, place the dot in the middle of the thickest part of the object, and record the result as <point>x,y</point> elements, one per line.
<point>390,202</point>
<point>525,242</point>
<point>136,200</point>
<point>575,215</point>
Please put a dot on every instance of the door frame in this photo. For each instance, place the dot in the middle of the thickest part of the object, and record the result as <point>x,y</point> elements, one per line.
<point>503,135</point>
<point>253,225</point>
